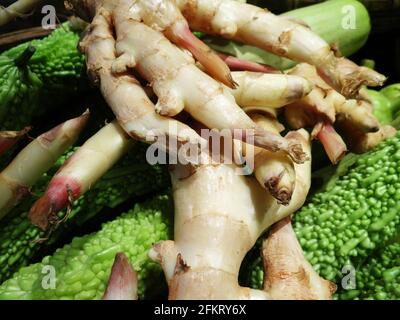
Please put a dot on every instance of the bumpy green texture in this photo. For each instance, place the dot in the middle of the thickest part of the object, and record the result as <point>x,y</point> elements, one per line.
<point>131,177</point>
<point>382,106</point>
<point>17,236</point>
<point>255,277</point>
<point>82,268</point>
<point>28,83</point>
<point>392,93</point>
<point>379,278</point>
<point>358,213</point>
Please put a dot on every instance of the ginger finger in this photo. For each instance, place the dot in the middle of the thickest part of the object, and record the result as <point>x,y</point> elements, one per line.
<point>164,16</point>
<point>35,159</point>
<point>175,79</point>
<point>274,171</point>
<point>361,142</point>
<point>358,112</point>
<point>333,143</point>
<point>288,275</point>
<point>330,104</point>
<point>123,93</point>
<point>321,99</point>
<point>370,140</point>
<point>272,90</point>
<point>276,174</point>
<point>298,116</point>
<point>236,64</point>
<point>259,27</point>
<point>302,183</point>
<point>79,172</point>
<point>17,9</point>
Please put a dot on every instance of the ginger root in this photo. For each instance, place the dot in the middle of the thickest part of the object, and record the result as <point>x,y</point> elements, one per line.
<point>259,27</point>
<point>287,273</point>
<point>219,215</point>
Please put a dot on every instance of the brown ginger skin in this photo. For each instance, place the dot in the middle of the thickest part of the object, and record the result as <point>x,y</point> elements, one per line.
<point>287,273</point>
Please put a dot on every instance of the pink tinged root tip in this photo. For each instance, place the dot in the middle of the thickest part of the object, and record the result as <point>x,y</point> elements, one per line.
<point>236,64</point>
<point>333,143</point>
<point>122,284</point>
<point>59,194</point>
<point>77,124</point>
<point>214,65</point>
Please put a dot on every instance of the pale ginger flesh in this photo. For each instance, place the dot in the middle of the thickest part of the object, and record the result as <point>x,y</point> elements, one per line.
<point>259,27</point>
<point>168,70</point>
<point>246,23</point>
<point>129,102</point>
<point>274,171</point>
<point>79,173</point>
<point>34,160</point>
<point>218,217</point>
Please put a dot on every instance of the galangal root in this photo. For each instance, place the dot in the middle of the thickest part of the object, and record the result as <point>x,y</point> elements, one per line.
<point>261,28</point>
<point>153,38</point>
<point>212,207</point>
<point>323,107</point>
<point>34,160</point>
<point>79,172</point>
<point>176,80</point>
<point>219,213</point>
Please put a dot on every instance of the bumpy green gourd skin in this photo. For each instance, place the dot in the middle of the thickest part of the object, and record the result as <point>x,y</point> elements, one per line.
<point>379,278</point>
<point>27,87</point>
<point>131,177</point>
<point>17,236</point>
<point>256,274</point>
<point>382,106</point>
<point>82,268</point>
<point>392,93</point>
<point>356,214</point>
